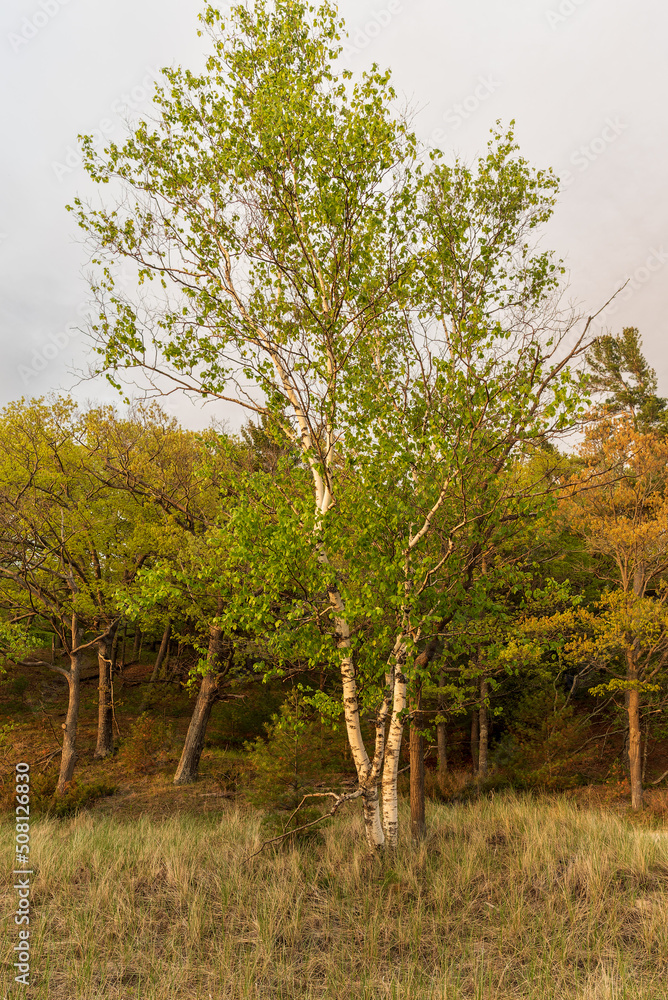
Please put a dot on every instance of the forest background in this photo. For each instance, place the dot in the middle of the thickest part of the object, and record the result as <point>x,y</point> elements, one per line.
<point>433,561</point>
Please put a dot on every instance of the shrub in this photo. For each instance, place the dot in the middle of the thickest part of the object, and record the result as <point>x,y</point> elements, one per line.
<point>75,797</point>
<point>543,749</point>
<point>147,738</point>
<point>227,768</point>
<point>299,754</point>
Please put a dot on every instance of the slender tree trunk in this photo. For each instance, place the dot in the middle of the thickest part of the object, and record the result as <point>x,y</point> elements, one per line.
<point>644,750</point>
<point>368,781</point>
<point>136,645</point>
<point>417,769</point>
<point>391,762</point>
<point>188,767</point>
<point>475,739</point>
<point>105,711</point>
<point>483,718</point>
<point>69,755</point>
<point>162,652</point>
<point>441,741</point>
<point>114,651</point>
<point>209,691</point>
<point>635,762</point>
<point>125,635</point>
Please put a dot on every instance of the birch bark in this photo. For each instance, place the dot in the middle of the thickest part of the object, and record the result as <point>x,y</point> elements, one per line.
<point>392,751</point>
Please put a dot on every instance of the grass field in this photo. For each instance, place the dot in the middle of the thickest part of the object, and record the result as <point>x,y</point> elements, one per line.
<point>507,897</point>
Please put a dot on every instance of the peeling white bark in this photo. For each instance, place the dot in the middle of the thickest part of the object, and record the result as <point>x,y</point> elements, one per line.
<point>392,750</point>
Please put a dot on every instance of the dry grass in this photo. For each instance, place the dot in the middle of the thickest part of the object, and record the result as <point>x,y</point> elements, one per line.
<point>508,897</point>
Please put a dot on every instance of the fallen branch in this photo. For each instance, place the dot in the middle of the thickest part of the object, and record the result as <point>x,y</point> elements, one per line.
<point>339,801</point>
<point>657,780</point>
<point>47,760</point>
<point>48,718</point>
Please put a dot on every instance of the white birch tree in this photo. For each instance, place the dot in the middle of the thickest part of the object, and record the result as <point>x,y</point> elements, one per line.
<point>294,255</point>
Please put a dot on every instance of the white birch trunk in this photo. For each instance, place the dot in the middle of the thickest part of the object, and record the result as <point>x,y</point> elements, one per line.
<point>391,766</point>
<point>368,780</point>
<point>366,774</point>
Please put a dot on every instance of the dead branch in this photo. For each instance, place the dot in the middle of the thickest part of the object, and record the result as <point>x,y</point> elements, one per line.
<point>340,799</point>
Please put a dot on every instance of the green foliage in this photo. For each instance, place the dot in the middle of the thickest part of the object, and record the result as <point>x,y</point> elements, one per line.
<point>139,750</point>
<point>298,755</point>
<point>15,642</point>
<point>544,746</point>
<point>76,796</point>
<point>20,685</point>
<point>6,731</point>
<point>619,368</point>
<point>227,768</point>
<point>242,720</point>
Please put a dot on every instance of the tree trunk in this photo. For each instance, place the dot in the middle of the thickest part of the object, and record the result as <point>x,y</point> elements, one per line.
<point>125,635</point>
<point>441,742</point>
<point>136,645</point>
<point>69,755</point>
<point>188,767</point>
<point>372,824</point>
<point>483,742</point>
<point>475,739</point>
<point>644,750</point>
<point>635,762</point>
<point>391,762</point>
<point>417,769</point>
<point>162,652</point>
<point>114,650</point>
<point>105,711</point>
<point>209,691</point>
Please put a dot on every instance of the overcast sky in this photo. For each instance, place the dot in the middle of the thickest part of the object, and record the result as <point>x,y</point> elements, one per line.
<point>586,81</point>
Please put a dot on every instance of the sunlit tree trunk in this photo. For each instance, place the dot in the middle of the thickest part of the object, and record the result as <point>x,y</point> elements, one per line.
<point>391,764</point>
<point>105,710</point>
<point>633,705</point>
<point>69,755</point>
<point>368,782</point>
<point>417,769</point>
<point>188,768</point>
<point>635,759</point>
<point>209,691</point>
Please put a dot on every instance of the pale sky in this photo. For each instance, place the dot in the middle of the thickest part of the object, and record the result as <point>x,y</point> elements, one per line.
<point>586,81</point>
